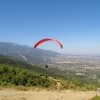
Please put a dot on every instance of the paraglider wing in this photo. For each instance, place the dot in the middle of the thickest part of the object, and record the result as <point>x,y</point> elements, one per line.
<point>47,39</point>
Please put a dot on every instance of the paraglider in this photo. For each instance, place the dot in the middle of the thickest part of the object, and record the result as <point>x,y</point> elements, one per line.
<point>46,66</point>
<point>47,39</point>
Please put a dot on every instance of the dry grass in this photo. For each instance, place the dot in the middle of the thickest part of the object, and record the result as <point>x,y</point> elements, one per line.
<point>40,94</point>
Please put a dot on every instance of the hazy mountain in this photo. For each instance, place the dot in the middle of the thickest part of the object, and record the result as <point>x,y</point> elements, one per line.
<point>26,53</point>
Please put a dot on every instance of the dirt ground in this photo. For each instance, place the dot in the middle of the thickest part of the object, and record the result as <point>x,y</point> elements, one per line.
<point>13,94</point>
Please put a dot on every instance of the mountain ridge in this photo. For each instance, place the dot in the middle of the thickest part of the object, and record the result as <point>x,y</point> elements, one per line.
<point>26,53</point>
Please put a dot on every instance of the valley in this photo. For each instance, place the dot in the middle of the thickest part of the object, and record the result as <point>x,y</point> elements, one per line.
<point>84,67</point>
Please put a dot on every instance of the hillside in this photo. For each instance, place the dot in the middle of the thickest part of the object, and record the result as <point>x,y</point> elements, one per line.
<point>17,76</point>
<point>26,53</point>
<point>38,69</point>
<point>24,71</point>
<point>15,72</point>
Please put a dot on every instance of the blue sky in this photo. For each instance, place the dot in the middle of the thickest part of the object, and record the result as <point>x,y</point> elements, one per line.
<point>75,23</point>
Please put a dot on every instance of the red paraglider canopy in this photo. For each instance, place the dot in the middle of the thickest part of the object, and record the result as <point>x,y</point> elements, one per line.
<point>47,39</point>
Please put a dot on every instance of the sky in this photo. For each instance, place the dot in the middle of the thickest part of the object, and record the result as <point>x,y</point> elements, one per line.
<point>75,23</point>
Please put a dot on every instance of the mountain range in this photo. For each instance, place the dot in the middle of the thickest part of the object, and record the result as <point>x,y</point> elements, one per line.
<point>27,53</point>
